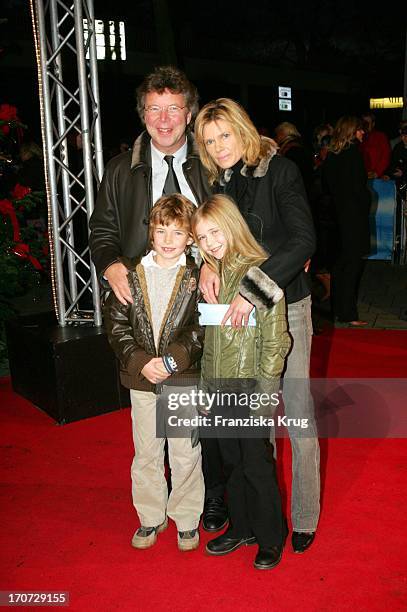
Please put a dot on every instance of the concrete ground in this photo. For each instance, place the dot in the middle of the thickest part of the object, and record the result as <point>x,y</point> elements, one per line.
<point>382,297</point>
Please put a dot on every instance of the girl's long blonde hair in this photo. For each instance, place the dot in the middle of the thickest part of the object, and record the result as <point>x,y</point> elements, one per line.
<point>344,133</point>
<point>225,109</point>
<point>242,248</point>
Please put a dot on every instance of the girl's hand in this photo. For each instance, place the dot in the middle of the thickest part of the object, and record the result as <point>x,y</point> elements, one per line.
<point>209,284</point>
<point>238,312</point>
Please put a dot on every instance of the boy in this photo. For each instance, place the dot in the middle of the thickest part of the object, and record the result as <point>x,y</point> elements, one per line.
<point>155,338</point>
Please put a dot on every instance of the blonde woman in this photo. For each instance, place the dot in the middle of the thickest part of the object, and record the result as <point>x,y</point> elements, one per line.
<point>345,178</point>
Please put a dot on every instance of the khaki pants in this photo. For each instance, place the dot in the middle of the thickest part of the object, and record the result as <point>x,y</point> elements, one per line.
<point>149,486</point>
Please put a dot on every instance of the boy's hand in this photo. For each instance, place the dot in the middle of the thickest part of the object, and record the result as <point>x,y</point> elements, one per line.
<point>238,312</point>
<point>155,371</point>
<point>209,284</point>
<point>116,276</point>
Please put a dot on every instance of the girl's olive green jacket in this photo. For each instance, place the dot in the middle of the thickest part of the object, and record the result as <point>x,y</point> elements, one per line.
<point>248,352</point>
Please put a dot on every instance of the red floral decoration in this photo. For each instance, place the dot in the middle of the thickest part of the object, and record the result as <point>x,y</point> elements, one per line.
<point>7,209</point>
<point>20,191</point>
<point>8,113</point>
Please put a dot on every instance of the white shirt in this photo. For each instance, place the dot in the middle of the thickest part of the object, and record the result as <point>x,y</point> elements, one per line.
<point>148,261</point>
<point>160,170</point>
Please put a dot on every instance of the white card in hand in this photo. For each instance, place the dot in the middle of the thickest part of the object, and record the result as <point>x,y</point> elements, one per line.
<point>212,314</point>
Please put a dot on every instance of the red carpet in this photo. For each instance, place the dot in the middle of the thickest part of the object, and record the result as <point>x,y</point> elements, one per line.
<point>67,517</point>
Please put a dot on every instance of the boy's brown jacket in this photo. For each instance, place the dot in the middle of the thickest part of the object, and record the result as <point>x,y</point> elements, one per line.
<point>130,331</point>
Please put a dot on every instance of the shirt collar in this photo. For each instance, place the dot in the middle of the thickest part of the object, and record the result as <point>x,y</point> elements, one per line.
<point>179,156</point>
<point>148,261</point>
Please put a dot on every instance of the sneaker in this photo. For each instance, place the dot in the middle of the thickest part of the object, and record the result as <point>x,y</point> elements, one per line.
<point>188,540</point>
<point>147,536</point>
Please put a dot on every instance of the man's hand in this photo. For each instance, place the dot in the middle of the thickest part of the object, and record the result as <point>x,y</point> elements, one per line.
<point>209,284</point>
<point>155,371</point>
<point>307,265</point>
<point>238,312</point>
<point>116,275</point>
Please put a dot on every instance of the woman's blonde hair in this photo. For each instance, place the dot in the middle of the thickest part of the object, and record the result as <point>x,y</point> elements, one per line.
<point>224,213</point>
<point>225,109</point>
<point>287,129</point>
<point>344,133</point>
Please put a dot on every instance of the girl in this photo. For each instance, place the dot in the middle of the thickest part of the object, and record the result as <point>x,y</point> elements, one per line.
<point>243,357</point>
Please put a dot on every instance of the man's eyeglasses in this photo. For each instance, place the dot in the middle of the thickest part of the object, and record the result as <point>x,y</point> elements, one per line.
<point>172,110</point>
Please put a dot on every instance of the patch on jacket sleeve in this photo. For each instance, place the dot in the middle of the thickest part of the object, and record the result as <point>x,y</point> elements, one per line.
<point>260,289</point>
<point>192,285</point>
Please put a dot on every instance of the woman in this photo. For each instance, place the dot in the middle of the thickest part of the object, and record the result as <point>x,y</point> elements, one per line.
<point>270,194</point>
<point>239,360</point>
<point>345,178</point>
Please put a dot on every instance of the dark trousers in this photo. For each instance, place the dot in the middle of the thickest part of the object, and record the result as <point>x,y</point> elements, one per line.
<point>253,496</point>
<point>212,467</point>
<point>345,277</point>
<point>245,463</point>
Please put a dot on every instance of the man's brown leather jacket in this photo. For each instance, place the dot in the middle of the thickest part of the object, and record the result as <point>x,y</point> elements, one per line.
<point>119,223</point>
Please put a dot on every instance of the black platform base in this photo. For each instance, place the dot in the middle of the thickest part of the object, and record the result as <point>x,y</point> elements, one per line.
<point>71,373</point>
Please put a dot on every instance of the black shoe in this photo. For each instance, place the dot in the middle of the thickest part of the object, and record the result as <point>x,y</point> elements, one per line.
<point>267,558</point>
<point>224,544</point>
<point>215,514</point>
<point>301,541</point>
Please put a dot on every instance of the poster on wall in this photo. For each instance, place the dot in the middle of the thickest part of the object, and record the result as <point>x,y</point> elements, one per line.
<point>381,219</point>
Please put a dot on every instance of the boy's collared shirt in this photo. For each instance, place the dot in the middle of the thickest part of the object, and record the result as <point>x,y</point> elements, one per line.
<point>148,261</point>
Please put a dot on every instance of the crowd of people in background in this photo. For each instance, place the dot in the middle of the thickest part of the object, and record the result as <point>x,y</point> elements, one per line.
<point>336,168</point>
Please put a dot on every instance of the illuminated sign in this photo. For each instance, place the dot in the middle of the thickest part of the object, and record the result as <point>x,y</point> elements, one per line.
<point>386,102</point>
<point>284,92</point>
<point>284,99</point>
<point>284,105</point>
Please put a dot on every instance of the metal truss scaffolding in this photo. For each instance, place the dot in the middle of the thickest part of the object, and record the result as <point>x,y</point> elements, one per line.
<point>71,129</point>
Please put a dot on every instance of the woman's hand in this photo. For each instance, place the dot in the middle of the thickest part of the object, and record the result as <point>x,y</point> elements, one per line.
<point>238,312</point>
<point>209,284</point>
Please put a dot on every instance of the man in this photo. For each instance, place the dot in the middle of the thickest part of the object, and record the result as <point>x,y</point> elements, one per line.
<point>163,160</point>
<point>375,148</point>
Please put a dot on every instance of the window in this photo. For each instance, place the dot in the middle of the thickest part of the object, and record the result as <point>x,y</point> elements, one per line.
<point>111,43</point>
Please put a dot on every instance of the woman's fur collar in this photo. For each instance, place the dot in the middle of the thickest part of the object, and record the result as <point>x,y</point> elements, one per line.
<point>255,171</point>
